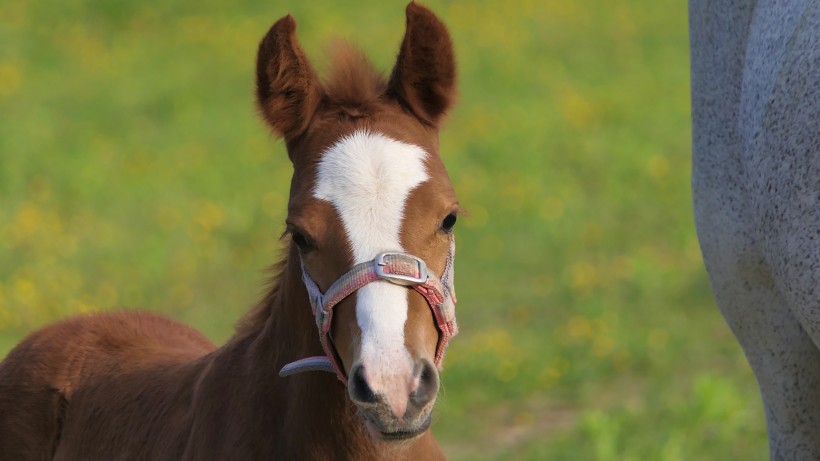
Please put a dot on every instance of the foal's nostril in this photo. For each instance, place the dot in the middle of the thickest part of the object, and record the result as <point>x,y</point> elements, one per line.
<point>359,389</point>
<point>428,384</point>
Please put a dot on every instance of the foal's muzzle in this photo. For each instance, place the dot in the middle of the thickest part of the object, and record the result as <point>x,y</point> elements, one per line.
<point>397,416</point>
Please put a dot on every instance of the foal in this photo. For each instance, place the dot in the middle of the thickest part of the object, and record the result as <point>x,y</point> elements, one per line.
<point>371,208</point>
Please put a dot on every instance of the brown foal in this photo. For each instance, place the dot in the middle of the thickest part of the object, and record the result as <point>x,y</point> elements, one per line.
<point>367,179</point>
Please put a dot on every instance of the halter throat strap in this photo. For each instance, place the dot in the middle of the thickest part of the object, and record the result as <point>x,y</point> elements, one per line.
<point>394,267</point>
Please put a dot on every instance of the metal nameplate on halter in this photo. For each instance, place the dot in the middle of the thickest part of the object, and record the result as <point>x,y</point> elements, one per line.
<point>400,279</point>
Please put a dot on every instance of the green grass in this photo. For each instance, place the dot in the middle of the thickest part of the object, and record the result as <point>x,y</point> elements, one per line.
<point>134,172</point>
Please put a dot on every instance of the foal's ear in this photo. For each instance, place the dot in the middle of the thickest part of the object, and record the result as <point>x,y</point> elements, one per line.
<point>287,89</point>
<point>424,78</point>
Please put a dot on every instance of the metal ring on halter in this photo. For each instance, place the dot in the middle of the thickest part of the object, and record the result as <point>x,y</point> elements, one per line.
<point>380,263</point>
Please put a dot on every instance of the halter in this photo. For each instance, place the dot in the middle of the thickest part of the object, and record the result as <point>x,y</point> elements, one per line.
<point>394,267</point>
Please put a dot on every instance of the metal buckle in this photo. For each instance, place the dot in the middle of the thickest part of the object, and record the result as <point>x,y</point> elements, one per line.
<point>400,279</point>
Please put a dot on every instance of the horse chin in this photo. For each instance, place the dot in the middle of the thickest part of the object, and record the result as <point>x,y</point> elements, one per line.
<point>397,436</point>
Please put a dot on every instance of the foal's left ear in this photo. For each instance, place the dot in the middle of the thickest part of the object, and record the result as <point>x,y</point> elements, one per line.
<point>424,78</point>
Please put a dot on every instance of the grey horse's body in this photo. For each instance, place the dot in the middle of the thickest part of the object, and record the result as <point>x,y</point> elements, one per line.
<point>756,187</point>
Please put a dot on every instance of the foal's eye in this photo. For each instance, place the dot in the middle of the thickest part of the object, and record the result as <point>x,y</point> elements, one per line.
<point>448,223</point>
<point>301,241</point>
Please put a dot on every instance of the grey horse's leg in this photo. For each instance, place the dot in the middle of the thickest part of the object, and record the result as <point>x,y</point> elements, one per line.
<point>783,357</point>
<point>752,266</point>
<point>783,158</point>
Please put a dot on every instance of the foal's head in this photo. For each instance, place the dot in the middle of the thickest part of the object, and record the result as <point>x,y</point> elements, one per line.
<point>368,179</point>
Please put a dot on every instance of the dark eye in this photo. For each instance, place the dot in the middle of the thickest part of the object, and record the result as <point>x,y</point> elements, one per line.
<point>301,241</point>
<point>448,223</point>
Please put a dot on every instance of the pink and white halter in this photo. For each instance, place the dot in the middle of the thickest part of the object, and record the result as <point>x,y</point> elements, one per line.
<point>394,267</point>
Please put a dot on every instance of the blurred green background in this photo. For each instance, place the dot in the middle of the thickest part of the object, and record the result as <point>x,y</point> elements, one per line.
<point>135,172</point>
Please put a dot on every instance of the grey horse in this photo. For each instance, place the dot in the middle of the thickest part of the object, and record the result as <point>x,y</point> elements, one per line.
<point>756,191</point>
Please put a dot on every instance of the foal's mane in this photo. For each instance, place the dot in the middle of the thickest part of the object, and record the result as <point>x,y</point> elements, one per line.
<point>255,319</point>
<point>352,87</point>
<point>352,80</point>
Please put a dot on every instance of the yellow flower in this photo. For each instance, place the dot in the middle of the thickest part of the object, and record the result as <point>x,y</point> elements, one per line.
<point>11,78</point>
<point>602,346</point>
<point>210,216</point>
<point>657,339</point>
<point>579,327</point>
<point>657,166</point>
<point>584,275</point>
<point>551,208</point>
<point>506,371</point>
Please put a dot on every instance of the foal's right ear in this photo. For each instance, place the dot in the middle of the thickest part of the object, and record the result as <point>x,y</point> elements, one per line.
<point>287,89</point>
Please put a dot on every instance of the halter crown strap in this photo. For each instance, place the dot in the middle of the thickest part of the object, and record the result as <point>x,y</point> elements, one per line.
<point>395,267</point>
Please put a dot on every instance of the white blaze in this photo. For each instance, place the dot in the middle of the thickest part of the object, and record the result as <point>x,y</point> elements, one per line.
<point>368,177</point>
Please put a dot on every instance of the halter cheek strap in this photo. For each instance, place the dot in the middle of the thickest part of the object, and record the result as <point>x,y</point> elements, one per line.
<point>399,268</point>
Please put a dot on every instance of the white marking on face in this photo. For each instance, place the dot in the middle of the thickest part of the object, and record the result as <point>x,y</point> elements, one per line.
<point>368,177</point>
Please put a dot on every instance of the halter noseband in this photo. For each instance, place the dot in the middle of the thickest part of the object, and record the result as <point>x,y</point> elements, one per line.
<point>394,267</point>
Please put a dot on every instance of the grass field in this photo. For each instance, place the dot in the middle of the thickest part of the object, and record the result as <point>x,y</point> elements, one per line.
<point>134,172</point>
